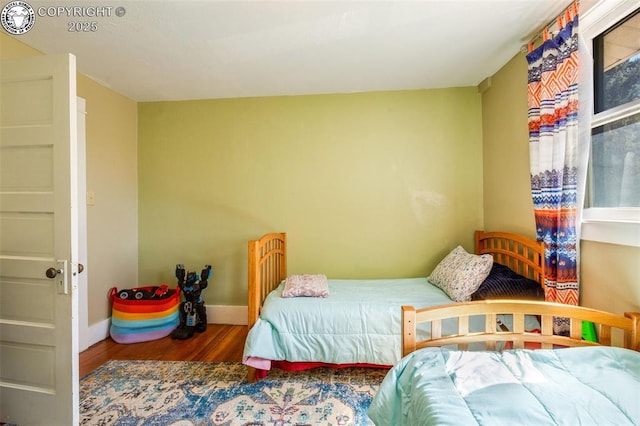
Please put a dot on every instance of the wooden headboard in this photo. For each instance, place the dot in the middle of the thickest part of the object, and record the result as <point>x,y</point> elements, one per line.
<point>604,322</point>
<point>267,269</point>
<point>521,254</point>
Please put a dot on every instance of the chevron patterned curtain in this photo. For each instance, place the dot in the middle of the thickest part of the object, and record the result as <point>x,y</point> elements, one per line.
<point>553,143</point>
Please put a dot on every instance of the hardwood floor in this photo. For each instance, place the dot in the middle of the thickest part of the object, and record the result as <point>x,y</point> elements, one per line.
<point>218,343</point>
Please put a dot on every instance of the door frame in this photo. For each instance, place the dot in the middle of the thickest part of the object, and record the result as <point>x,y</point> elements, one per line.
<point>84,338</point>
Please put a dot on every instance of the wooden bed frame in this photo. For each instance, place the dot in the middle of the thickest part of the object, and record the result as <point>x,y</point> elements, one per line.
<point>268,263</point>
<point>604,322</point>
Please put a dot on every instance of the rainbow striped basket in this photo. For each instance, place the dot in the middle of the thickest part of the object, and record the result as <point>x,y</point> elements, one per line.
<point>143,313</point>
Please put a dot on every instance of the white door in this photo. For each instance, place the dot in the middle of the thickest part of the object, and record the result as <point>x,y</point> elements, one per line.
<point>38,232</point>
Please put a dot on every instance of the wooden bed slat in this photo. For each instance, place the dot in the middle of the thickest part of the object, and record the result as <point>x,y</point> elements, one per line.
<point>575,329</point>
<point>546,322</point>
<point>436,328</point>
<point>605,334</point>
<point>463,328</point>
<point>490,322</point>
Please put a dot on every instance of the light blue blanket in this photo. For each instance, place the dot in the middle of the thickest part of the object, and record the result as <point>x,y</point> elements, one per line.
<point>573,386</point>
<point>358,323</point>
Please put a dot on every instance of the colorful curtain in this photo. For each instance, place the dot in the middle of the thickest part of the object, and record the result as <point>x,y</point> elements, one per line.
<point>553,148</point>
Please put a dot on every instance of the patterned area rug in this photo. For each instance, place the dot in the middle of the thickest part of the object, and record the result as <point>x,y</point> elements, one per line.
<point>201,393</point>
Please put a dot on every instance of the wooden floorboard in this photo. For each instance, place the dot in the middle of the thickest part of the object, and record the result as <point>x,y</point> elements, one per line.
<point>218,343</point>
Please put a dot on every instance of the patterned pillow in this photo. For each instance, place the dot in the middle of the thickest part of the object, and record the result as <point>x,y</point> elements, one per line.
<point>309,285</point>
<point>460,274</point>
<point>504,283</point>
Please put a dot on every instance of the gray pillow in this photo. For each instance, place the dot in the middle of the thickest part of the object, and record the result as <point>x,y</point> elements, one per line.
<point>460,273</point>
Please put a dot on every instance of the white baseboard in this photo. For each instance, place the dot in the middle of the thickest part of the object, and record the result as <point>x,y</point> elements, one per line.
<point>221,314</point>
<point>96,333</point>
<point>216,314</point>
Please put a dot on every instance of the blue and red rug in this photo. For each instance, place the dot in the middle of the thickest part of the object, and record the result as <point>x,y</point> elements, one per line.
<point>201,393</point>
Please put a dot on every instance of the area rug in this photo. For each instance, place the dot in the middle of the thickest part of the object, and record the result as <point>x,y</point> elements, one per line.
<point>202,393</point>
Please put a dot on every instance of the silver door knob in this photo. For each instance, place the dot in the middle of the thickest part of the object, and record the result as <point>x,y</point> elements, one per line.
<point>52,272</point>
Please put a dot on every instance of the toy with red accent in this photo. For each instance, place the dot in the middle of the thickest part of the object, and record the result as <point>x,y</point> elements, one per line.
<point>145,293</point>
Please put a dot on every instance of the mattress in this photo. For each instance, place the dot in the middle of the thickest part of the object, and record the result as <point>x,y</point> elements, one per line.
<point>359,322</point>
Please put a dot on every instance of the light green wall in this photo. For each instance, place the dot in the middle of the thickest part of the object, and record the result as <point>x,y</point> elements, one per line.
<point>610,277</point>
<point>366,185</point>
<point>112,223</point>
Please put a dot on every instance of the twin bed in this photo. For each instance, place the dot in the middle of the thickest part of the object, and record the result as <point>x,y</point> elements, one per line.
<point>429,340</point>
<point>359,323</point>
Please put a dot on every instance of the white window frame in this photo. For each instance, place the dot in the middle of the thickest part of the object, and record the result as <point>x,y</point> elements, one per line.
<point>609,225</point>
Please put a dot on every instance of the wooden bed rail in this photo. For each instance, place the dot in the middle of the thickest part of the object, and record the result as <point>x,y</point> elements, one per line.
<point>490,309</point>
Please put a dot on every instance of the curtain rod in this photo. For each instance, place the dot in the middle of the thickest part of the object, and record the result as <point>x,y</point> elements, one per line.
<point>558,23</point>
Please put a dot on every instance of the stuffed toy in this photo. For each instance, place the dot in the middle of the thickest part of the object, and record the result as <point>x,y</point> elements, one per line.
<point>193,314</point>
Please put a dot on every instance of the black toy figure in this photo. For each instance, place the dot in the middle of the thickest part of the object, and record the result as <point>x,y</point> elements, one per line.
<point>193,314</point>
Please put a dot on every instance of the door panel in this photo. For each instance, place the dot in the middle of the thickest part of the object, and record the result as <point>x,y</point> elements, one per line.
<point>37,162</point>
<point>38,231</point>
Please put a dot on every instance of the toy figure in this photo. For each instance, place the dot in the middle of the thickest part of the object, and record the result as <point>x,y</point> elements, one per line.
<point>146,293</point>
<point>193,314</point>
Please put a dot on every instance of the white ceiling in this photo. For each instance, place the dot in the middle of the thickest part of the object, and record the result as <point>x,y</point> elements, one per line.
<point>177,50</point>
<point>622,43</point>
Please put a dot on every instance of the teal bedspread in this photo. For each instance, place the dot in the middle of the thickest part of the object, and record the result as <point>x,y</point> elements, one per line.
<point>358,323</point>
<point>573,386</point>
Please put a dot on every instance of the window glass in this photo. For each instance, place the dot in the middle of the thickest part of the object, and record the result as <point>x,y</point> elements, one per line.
<point>617,64</point>
<point>615,164</point>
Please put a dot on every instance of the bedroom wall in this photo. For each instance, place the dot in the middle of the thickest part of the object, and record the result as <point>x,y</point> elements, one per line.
<point>366,185</point>
<point>111,146</point>
<point>610,277</point>
<point>112,175</point>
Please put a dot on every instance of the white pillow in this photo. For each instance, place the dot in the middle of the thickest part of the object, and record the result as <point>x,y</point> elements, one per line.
<point>307,285</point>
<point>460,273</point>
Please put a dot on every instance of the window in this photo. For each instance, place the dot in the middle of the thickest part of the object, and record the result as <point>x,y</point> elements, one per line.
<point>614,164</point>
<point>612,203</point>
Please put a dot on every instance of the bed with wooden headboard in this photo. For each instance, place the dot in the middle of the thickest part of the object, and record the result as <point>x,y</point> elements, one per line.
<point>565,380</point>
<point>267,269</point>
